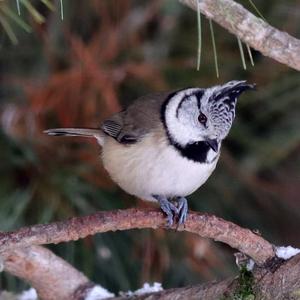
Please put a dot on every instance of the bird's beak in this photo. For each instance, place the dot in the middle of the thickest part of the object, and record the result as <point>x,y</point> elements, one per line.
<point>213,144</point>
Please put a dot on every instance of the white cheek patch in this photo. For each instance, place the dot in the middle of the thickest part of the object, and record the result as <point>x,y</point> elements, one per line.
<point>182,125</point>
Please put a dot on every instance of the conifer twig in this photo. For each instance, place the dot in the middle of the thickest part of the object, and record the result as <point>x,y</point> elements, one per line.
<point>252,30</point>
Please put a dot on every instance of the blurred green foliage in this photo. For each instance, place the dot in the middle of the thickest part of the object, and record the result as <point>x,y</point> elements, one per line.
<point>101,57</point>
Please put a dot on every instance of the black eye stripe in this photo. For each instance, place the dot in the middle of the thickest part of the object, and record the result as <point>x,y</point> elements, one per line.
<point>180,104</point>
<point>198,96</point>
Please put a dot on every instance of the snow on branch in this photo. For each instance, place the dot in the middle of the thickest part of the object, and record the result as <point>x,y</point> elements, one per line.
<point>205,225</point>
<point>254,31</point>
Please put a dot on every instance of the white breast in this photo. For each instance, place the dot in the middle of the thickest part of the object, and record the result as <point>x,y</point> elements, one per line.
<point>153,167</point>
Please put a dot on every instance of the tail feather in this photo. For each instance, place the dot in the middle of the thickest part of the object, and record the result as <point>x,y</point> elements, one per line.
<point>83,132</point>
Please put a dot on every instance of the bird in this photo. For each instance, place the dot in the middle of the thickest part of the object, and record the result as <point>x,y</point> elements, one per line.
<point>165,145</point>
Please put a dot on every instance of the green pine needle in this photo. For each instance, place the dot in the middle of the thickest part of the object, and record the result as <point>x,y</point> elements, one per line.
<point>214,47</point>
<point>199,36</point>
<point>250,54</point>
<point>18,7</point>
<point>49,4</point>
<point>61,9</point>
<point>35,14</point>
<point>10,13</point>
<point>256,9</point>
<point>7,28</point>
<point>242,53</point>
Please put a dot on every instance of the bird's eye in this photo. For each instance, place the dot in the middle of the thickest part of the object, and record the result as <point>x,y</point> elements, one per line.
<point>202,118</point>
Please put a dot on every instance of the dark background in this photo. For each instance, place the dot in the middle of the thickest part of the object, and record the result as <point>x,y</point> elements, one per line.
<point>104,54</point>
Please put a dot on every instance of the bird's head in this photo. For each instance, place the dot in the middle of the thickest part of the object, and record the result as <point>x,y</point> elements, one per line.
<point>197,114</point>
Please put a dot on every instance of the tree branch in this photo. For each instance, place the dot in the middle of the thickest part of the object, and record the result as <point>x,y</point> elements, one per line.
<point>207,226</point>
<point>51,276</point>
<point>277,282</point>
<point>253,31</point>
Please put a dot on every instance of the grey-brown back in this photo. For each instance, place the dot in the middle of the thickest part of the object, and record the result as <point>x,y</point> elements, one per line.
<point>140,118</point>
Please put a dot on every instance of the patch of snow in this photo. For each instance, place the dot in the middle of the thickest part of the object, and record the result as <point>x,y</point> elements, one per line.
<point>30,294</point>
<point>147,288</point>
<point>286,252</point>
<point>98,293</point>
<point>250,265</point>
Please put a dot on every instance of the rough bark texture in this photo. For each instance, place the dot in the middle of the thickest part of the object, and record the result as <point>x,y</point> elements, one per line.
<point>278,281</point>
<point>205,225</point>
<point>51,276</point>
<point>54,278</point>
<point>253,31</point>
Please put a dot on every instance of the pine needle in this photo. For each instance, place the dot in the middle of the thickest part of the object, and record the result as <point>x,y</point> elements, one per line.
<point>35,14</point>
<point>7,28</point>
<point>10,13</point>
<point>242,53</point>
<point>49,4</point>
<point>250,54</point>
<point>61,9</point>
<point>256,9</point>
<point>199,36</point>
<point>214,47</point>
<point>18,7</point>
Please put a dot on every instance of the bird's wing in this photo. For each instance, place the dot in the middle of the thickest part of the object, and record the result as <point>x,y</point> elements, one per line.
<point>140,118</point>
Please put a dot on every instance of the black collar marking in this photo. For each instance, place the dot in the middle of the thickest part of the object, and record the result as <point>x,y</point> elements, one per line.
<point>196,152</point>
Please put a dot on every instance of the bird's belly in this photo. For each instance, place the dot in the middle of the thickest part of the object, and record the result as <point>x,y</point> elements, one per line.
<point>153,167</point>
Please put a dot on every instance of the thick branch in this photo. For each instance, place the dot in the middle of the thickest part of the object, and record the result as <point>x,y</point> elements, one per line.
<point>51,276</point>
<point>268,284</point>
<point>253,31</point>
<point>205,225</point>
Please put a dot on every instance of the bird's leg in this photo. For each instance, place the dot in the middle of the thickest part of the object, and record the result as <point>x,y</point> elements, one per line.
<point>167,207</point>
<point>182,207</point>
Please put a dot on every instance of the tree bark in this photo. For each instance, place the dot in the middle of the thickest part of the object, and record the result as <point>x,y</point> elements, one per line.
<point>279,280</point>
<point>54,278</point>
<point>51,276</point>
<point>254,31</point>
<point>205,225</point>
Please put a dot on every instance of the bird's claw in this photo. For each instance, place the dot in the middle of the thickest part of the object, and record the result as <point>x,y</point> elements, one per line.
<point>168,208</point>
<point>172,211</point>
<point>182,210</point>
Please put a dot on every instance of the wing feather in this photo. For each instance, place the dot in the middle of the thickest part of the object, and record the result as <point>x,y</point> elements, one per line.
<point>111,128</point>
<point>141,117</point>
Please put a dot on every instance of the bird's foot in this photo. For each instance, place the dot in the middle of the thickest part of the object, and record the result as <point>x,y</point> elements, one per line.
<point>179,211</point>
<point>168,208</point>
<point>182,207</point>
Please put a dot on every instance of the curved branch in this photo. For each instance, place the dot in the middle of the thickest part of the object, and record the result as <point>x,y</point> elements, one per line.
<point>253,31</point>
<point>51,276</point>
<point>205,225</point>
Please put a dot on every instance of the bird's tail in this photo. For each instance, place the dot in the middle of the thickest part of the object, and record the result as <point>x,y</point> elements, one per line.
<point>83,132</point>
